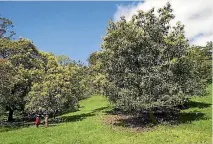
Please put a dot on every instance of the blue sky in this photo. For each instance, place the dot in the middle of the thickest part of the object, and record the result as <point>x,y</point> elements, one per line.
<point>75,28</point>
<point>69,28</point>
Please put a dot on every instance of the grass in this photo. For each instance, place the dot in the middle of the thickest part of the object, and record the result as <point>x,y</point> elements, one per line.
<point>86,126</point>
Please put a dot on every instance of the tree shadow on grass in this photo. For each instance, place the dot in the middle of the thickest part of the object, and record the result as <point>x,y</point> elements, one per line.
<point>82,116</point>
<point>10,126</point>
<point>7,128</point>
<point>51,123</point>
<point>143,121</point>
<point>100,109</point>
<point>188,117</point>
<point>131,122</point>
<point>193,104</point>
<point>74,118</point>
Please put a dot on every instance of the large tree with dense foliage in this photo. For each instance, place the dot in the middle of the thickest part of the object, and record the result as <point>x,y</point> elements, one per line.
<point>23,60</point>
<point>53,92</point>
<point>145,62</point>
<point>63,83</point>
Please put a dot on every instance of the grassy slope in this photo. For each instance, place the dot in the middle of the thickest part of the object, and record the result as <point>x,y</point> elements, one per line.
<point>86,127</point>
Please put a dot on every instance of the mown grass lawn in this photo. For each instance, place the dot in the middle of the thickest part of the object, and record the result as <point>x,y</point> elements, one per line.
<point>86,126</point>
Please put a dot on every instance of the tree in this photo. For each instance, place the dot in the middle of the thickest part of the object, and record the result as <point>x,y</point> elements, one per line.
<point>145,62</point>
<point>24,60</point>
<point>202,56</point>
<point>199,60</point>
<point>53,93</point>
<point>7,25</point>
<point>7,79</point>
<point>98,79</point>
<point>80,76</point>
<point>81,82</point>
<point>63,60</point>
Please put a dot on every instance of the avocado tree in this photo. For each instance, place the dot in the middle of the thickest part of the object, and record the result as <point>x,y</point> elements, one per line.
<point>23,59</point>
<point>80,76</point>
<point>145,62</point>
<point>96,71</point>
<point>7,81</point>
<point>53,92</point>
<point>202,57</point>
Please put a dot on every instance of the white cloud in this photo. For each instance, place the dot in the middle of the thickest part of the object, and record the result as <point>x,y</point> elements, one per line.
<point>196,15</point>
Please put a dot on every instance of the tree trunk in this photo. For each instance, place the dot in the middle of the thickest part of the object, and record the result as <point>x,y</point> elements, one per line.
<point>152,117</point>
<point>10,115</point>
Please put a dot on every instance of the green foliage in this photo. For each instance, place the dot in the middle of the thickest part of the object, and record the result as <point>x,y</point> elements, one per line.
<point>98,79</point>
<point>80,80</point>
<point>80,76</point>
<point>36,80</point>
<point>53,93</point>
<point>145,63</point>
<point>63,60</point>
<point>23,58</point>
<point>60,87</point>
<point>7,25</point>
<point>202,58</point>
<point>7,73</point>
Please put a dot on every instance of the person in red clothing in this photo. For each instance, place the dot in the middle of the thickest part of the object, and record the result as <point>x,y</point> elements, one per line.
<point>37,122</point>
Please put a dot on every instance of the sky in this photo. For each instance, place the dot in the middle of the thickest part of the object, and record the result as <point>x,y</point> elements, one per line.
<point>75,29</point>
<point>196,15</point>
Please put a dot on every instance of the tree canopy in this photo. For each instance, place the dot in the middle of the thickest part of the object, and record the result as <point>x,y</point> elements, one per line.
<point>7,25</point>
<point>22,59</point>
<point>145,62</point>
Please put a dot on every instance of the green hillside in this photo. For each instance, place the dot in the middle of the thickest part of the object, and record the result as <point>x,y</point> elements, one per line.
<point>87,126</point>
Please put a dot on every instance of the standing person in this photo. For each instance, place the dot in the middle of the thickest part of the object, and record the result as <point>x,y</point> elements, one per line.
<point>46,121</point>
<point>37,122</point>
